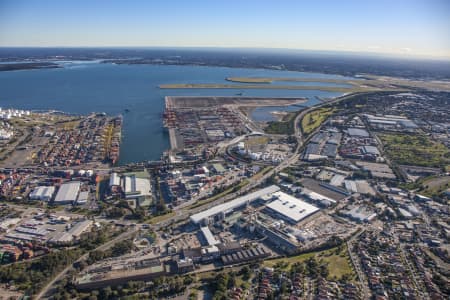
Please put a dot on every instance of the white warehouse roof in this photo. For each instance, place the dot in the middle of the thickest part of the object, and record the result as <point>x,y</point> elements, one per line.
<point>80,227</point>
<point>209,236</point>
<point>228,206</point>
<point>292,208</point>
<point>68,192</point>
<point>42,193</point>
<point>114,179</point>
<point>133,184</point>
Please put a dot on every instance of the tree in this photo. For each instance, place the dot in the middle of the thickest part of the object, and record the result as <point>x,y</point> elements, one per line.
<point>283,288</point>
<point>245,272</point>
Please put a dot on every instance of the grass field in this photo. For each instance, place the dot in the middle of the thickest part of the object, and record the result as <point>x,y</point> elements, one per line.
<point>256,140</point>
<point>435,185</point>
<point>161,218</point>
<point>338,263</point>
<point>315,118</point>
<point>286,126</point>
<point>415,149</point>
<point>429,186</point>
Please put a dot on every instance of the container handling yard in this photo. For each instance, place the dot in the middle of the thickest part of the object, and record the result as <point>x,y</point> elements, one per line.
<point>193,121</point>
<point>53,139</point>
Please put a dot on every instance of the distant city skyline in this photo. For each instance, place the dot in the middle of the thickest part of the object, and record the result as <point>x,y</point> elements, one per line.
<point>408,28</point>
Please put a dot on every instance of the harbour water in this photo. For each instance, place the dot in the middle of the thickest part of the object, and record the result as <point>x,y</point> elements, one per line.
<point>132,90</point>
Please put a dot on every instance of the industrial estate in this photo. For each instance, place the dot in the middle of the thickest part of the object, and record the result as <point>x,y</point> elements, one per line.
<point>347,199</point>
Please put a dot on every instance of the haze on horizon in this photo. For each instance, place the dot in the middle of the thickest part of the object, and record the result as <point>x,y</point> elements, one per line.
<point>408,28</point>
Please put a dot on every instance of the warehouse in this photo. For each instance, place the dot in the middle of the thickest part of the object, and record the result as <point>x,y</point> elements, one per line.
<point>318,198</point>
<point>290,208</point>
<point>232,205</point>
<point>359,186</point>
<point>114,180</point>
<point>207,234</point>
<point>329,150</point>
<point>135,186</point>
<point>357,132</point>
<point>44,193</point>
<point>79,228</point>
<point>319,138</point>
<point>359,213</point>
<point>68,193</point>
<point>372,150</point>
<point>83,198</point>
<point>335,138</point>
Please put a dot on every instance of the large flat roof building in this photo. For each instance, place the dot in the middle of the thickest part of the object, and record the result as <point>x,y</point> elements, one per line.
<point>230,206</point>
<point>80,228</point>
<point>210,239</point>
<point>291,208</point>
<point>134,186</point>
<point>68,192</point>
<point>358,132</point>
<point>44,193</point>
<point>114,179</point>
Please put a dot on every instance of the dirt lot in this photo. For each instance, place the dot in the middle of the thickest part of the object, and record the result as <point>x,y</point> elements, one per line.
<point>198,102</point>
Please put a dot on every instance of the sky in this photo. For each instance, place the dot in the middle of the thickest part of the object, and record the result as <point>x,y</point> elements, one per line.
<point>399,27</point>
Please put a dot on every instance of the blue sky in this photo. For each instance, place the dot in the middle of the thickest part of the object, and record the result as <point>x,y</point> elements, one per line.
<point>405,27</point>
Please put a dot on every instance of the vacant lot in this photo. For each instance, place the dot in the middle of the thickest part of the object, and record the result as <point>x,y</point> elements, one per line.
<point>315,118</point>
<point>336,258</point>
<point>415,149</point>
<point>430,186</point>
<point>286,126</point>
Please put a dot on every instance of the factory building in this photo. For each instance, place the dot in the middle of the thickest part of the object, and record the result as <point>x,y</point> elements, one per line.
<point>68,193</point>
<point>225,208</point>
<point>290,208</point>
<point>207,234</point>
<point>276,237</point>
<point>43,193</point>
<point>245,256</point>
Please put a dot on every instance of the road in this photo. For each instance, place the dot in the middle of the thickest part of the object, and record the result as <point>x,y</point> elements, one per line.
<point>102,247</point>
<point>293,158</point>
<point>419,288</point>
<point>357,266</point>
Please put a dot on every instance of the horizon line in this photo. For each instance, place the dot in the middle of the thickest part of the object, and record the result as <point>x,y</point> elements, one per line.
<point>404,56</point>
